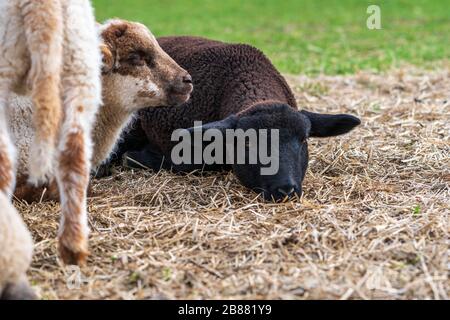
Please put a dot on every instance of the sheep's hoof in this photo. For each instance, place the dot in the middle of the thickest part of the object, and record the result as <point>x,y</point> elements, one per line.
<point>18,291</point>
<point>72,256</point>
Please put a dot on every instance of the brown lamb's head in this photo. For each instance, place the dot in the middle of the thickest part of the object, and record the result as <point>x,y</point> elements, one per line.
<point>137,73</point>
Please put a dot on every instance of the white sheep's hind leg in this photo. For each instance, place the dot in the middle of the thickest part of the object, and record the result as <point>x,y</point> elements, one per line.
<point>73,178</point>
<point>82,96</point>
<point>43,29</point>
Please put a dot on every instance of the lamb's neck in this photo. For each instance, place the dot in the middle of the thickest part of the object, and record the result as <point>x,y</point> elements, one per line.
<point>110,121</point>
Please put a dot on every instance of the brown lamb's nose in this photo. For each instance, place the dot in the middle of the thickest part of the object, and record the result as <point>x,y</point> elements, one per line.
<point>187,78</point>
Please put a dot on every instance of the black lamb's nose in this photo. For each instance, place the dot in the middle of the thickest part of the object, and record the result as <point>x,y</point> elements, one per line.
<point>286,190</point>
<point>187,78</point>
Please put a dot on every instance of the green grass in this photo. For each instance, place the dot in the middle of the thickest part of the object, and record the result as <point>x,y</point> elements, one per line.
<point>304,36</point>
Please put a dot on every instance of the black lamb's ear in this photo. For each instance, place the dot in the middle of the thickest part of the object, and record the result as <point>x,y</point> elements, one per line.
<point>227,123</point>
<point>329,125</point>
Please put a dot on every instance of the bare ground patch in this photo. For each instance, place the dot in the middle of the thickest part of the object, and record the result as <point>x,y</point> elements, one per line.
<point>373,222</point>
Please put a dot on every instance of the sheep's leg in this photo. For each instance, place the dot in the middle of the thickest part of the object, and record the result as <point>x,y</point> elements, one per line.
<point>16,251</point>
<point>7,152</point>
<point>73,176</point>
<point>14,65</point>
<point>44,36</point>
<point>20,290</point>
<point>81,83</point>
<point>145,159</point>
<point>104,170</point>
<point>45,98</point>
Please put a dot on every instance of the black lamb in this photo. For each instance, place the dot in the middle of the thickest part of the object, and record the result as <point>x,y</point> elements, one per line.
<point>235,86</point>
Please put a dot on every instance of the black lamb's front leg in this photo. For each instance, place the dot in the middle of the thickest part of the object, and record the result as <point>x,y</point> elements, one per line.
<point>102,171</point>
<point>105,169</point>
<point>141,159</point>
<point>132,139</point>
<point>147,158</point>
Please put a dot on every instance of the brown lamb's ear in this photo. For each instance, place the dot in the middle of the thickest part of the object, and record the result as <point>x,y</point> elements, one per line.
<point>107,58</point>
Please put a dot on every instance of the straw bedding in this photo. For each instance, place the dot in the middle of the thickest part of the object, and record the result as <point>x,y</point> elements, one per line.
<point>373,222</point>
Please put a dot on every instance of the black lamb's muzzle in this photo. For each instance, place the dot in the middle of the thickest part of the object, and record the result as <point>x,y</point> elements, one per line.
<point>285,184</point>
<point>283,192</point>
<point>274,189</point>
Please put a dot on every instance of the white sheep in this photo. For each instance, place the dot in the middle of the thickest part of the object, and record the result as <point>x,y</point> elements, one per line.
<point>49,50</point>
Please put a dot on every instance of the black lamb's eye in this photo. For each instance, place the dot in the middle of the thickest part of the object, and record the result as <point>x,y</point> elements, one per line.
<point>136,59</point>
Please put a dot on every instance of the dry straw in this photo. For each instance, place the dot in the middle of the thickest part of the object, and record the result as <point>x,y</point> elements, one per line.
<point>373,222</point>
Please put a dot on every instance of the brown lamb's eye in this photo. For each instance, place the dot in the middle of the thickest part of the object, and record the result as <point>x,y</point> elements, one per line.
<point>136,59</point>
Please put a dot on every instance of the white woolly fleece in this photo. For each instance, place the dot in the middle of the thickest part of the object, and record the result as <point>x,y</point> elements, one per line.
<point>16,244</point>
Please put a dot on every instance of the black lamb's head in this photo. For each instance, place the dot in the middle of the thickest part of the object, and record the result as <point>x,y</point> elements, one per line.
<point>280,147</point>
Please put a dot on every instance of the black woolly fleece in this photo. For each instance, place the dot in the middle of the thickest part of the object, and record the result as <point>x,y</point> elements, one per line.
<point>228,79</point>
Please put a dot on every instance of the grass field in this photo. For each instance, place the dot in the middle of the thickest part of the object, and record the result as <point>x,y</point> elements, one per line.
<point>302,36</point>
